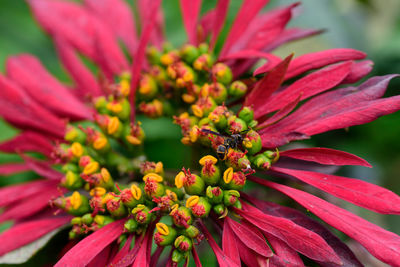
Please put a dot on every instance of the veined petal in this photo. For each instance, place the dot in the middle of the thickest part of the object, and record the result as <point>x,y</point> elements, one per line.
<point>268,84</point>
<point>102,258</point>
<point>86,82</point>
<point>83,31</point>
<point>229,245</point>
<point>20,110</point>
<point>27,141</point>
<point>123,251</point>
<point>316,60</point>
<point>383,244</point>
<point>284,253</point>
<point>251,237</point>
<point>222,258</point>
<point>325,156</point>
<point>305,87</point>
<point>147,13</point>
<point>219,17</point>
<point>247,13</point>
<point>43,168</point>
<point>358,71</point>
<point>17,192</point>
<point>92,245</point>
<point>190,14</point>
<point>250,257</point>
<point>356,191</point>
<point>297,237</point>
<point>118,16</point>
<point>27,232</point>
<point>12,168</point>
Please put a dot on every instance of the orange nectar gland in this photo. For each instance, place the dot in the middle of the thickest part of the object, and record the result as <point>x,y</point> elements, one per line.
<point>76,149</point>
<point>197,111</point>
<point>100,143</point>
<point>91,168</point>
<point>114,107</point>
<point>204,159</point>
<point>228,175</point>
<point>192,201</point>
<point>75,200</point>
<point>105,175</point>
<point>98,192</point>
<point>194,134</point>
<point>187,98</point>
<point>153,177</point>
<point>133,140</point>
<point>136,192</point>
<point>162,228</point>
<point>125,87</point>
<point>179,179</point>
<point>113,125</point>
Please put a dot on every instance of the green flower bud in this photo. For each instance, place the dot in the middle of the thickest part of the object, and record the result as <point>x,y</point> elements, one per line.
<point>252,124</point>
<point>203,48</point>
<point>262,162</point>
<point>237,89</point>
<point>189,53</point>
<point>76,204</point>
<point>222,73</point>
<point>130,225</point>
<point>164,234</point>
<point>177,256</point>
<point>220,210</point>
<point>132,196</point>
<point>234,180</point>
<point>102,220</point>
<point>246,114</point>
<point>70,167</point>
<point>236,125</point>
<point>76,221</point>
<point>181,216</point>
<point>210,172</point>
<point>153,55</point>
<point>183,243</point>
<point>230,197</point>
<point>199,206</point>
<point>147,87</point>
<point>192,183</point>
<point>74,134</point>
<point>87,219</point>
<point>218,117</point>
<point>142,214</point>
<point>252,142</point>
<point>218,92</point>
<point>72,181</point>
<point>100,103</point>
<point>192,231</point>
<point>214,194</point>
<point>116,208</point>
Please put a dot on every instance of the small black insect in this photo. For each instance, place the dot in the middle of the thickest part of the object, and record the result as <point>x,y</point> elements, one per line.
<point>230,141</point>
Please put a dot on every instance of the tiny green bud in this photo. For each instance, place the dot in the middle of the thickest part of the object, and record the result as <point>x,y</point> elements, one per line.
<point>246,114</point>
<point>87,219</point>
<point>237,89</point>
<point>130,225</point>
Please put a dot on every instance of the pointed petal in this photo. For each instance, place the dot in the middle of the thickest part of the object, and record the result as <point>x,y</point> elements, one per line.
<point>222,258</point>
<point>229,246</point>
<point>27,141</point>
<point>280,114</point>
<point>383,244</point>
<point>123,251</point>
<point>119,18</point>
<point>14,193</point>
<point>74,24</point>
<point>196,257</point>
<point>290,35</point>
<point>30,74</point>
<point>20,110</point>
<point>146,14</point>
<point>43,168</point>
<point>247,13</point>
<point>92,245</point>
<point>283,251</point>
<point>306,87</point>
<point>356,191</point>
<point>250,257</point>
<point>143,255</point>
<point>12,168</point>
<point>297,237</point>
<point>358,71</point>
<point>102,258</point>
<point>220,12</point>
<point>130,257</point>
<point>251,237</point>
<point>82,76</point>
<point>268,84</point>
<point>27,232</point>
<point>316,60</point>
<point>325,156</point>
<point>190,15</point>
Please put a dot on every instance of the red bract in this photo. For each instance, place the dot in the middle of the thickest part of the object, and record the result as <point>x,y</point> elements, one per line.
<point>273,112</point>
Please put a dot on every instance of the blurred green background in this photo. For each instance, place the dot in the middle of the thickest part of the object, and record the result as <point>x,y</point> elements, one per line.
<point>372,26</point>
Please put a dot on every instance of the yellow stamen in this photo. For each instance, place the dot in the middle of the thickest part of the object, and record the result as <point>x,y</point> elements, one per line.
<point>91,168</point>
<point>171,195</point>
<point>71,134</point>
<point>159,167</point>
<point>179,180</point>
<point>198,65</point>
<point>184,115</point>
<point>166,59</point>
<point>221,72</point>
<point>153,177</point>
<point>205,90</point>
<point>100,143</point>
<point>105,175</point>
<point>188,76</point>
<point>98,192</point>
<point>70,178</point>
<point>76,149</point>
<point>125,87</point>
<point>204,159</point>
<point>197,111</point>
<point>194,134</point>
<point>158,105</point>
<point>174,208</point>
<point>171,72</point>
<point>114,107</point>
<point>138,208</point>
<point>213,117</point>
<point>247,143</point>
<point>113,125</point>
<point>136,192</point>
<point>192,201</point>
<point>133,140</point>
<point>188,98</point>
<point>180,83</point>
<point>228,175</point>
<point>76,200</point>
<point>162,228</point>
<point>99,219</point>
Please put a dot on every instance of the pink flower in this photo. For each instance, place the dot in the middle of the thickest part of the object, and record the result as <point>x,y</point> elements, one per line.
<point>273,111</point>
